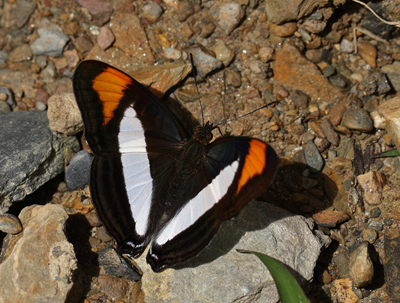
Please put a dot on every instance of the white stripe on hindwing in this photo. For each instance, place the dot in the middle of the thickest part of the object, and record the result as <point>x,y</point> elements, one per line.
<point>136,169</point>
<point>195,208</point>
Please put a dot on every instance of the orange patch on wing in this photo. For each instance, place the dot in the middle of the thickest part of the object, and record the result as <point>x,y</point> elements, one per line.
<point>254,163</point>
<point>110,86</point>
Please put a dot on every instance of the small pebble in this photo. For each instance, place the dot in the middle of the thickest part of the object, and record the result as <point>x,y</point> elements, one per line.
<point>266,53</point>
<point>99,10</point>
<point>51,43</point>
<point>360,266</point>
<point>356,76</point>
<point>316,43</point>
<point>172,53</point>
<point>314,55</point>
<point>314,26</point>
<point>333,37</point>
<point>376,225</point>
<point>83,43</point>
<point>376,83</point>
<point>103,235</point>
<point>40,106</point>
<point>326,277</point>
<point>280,91</point>
<point>71,28</point>
<point>322,144</point>
<point>330,218</point>
<point>78,171</point>
<point>337,112</point>
<point>21,53</point>
<point>152,11</point>
<point>72,57</point>
<point>347,46</point>
<point>314,159</point>
<point>4,107</point>
<point>370,235</point>
<point>372,183</point>
<point>357,119</point>
<point>375,212</point>
<point>233,78</point>
<point>329,71</point>
<point>10,224</point>
<point>185,9</point>
<point>341,165</point>
<point>368,52</point>
<point>105,38</point>
<point>285,30</point>
<point>93,219</point>
<point>3,57</point>
<point>300,99</point>
<point>329,131</point>
<point>204,62</point>
<point>3,97</point>
<point>326,55</point>
<point>340,81</point>
<point>223,53</point>
<point>230,15</point>
<point>60,63</point>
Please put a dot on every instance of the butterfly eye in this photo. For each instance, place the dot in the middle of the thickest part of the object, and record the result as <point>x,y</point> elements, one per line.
<point>209,136</point>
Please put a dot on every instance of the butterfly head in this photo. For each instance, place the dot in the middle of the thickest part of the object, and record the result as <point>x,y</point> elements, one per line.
<point>204,133</point>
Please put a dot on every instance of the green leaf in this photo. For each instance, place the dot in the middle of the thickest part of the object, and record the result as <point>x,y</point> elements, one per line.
<point>389,153</point>
<point>288,288</point>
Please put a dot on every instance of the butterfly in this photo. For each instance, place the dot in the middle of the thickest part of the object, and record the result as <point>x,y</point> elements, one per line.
<point>152,181</point>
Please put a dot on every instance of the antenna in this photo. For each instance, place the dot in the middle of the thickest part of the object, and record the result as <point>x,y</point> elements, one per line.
<point>197,89</point>
<point>252,112</point>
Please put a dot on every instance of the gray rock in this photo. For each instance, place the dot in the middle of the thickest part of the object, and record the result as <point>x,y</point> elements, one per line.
<point>22,12</point>
<point>50,43</point>
<point>346,148</point>
<point>314,159</point>
<point>376,83</point>
<point>329,132</point>
<point>30,154</point>
<point>10,97</point>
<point>358,119</point>
<point>4,107</point>
<point>3,57</point>
<point>340,81</point>
<point>38,265</point>
<point>347,46</point>
<point>152,11</point>
<point>204,62</point>
<point>329,71</point>
<point>392,263</point>
<point>392,71</point>
<point>230,15</point>
<point>221,274</point>
<point>78,172</point>
<point>114,265</point>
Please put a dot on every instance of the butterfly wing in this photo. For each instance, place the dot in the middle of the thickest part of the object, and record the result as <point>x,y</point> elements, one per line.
<point>135,139</point>
<point>234,171</point>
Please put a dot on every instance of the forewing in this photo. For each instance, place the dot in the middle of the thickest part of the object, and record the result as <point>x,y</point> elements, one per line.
<point>234,171</point>
<point>134,138</point>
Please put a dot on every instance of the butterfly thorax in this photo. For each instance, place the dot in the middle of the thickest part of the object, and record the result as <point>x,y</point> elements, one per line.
<point>193,152</point>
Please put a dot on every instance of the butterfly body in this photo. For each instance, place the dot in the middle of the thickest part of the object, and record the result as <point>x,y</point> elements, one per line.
<point>153,182</point>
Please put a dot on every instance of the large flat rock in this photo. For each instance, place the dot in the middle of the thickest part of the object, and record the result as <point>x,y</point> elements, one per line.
<point>30,155</point>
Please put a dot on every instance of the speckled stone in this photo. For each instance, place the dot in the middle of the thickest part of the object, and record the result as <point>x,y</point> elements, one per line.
<point>358,119</point>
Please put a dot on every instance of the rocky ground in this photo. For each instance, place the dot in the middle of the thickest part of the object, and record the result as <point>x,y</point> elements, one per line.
<point>330,70</point>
